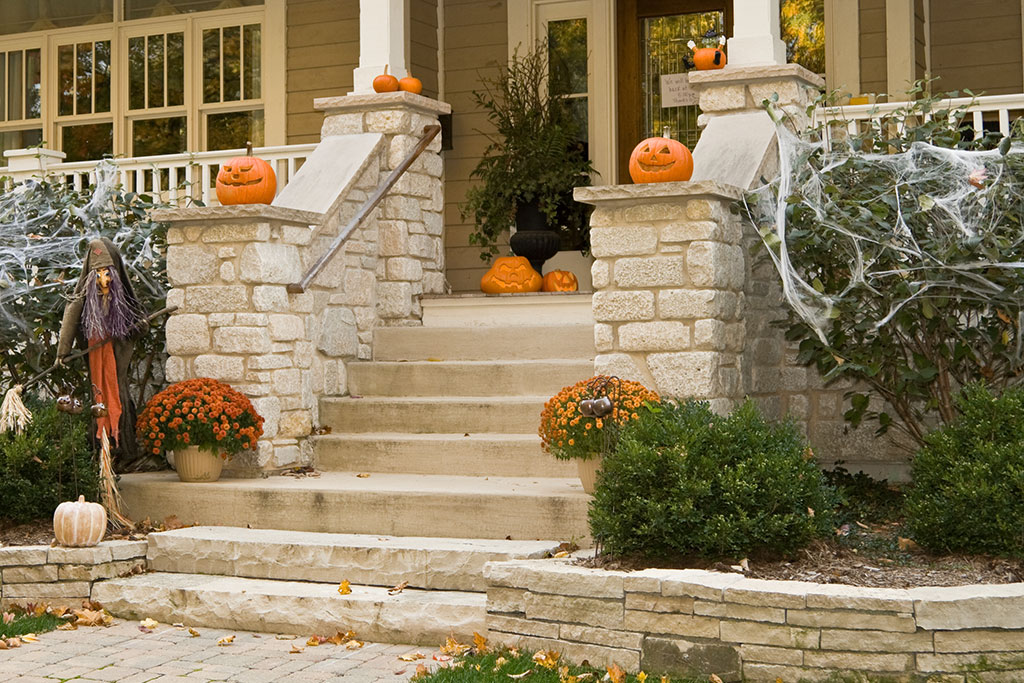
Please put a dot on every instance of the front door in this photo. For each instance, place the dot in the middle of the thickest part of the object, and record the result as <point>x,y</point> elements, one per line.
<point>651,44</point>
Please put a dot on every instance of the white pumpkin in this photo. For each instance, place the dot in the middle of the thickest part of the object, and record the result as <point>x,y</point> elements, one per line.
<point>79,524</point>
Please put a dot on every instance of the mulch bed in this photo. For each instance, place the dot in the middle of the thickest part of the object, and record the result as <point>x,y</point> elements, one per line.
<point>40,532</point>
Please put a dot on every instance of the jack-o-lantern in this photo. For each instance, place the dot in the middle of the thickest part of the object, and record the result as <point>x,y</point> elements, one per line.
<point>660,160</point>
<point>560,281</point>
<point>246,180</point>
<point>510,275</point>
<point>708,58</point>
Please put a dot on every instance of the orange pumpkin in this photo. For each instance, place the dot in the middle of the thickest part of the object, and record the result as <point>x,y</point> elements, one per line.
<point>385,82</point>
<point>560,281</point>
<point>708,58</point>
<point>660,160</point>
<point>510,274</point>
<point>246,180</point>
<point>410,84</point>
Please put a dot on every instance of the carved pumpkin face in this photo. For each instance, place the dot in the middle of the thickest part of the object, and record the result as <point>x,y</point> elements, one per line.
<point>510,275</point>
<point>560,281</point>
<point>246,180</point>
<point>660,160</point>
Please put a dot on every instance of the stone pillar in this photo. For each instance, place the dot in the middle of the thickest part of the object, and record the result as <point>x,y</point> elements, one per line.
<point>755,34</point>
<point>383,40</point>
<point>229,266</point>
<point>668,287</point>
<point>23,164</point>
<point>410,219</point>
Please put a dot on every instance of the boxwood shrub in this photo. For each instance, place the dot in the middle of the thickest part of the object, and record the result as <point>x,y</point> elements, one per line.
<point>685,482</point>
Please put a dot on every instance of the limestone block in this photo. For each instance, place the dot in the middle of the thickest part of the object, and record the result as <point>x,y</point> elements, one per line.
<point>654,271</point>
<point>600,274</point>
<point>559,578</point>
<point>647,212</point>
<point>95,555</point>
<point>296,423</point>
<point>526,627</point>
<point>788,91</point>
<point>402,268</point>
<point>303,354</point>
<point>621,365</point>
<point>601,636</point>
<point>176,297</point>
<point>342,124</point>
<point>656,602</point>
<point>269,408</point>
<point>654,336</point>
<point>979,606</point>
<point>301,303</point>
<point>252,319</point>
<point>94,572</point>
<point>401,208</point>
<point>270,263</point>
<point>798,406</point>
<point>425,247</point>
<point>838,596</point>
<point>395,299</point>
<point>393,122</point>
<point>174,370</point>
<point>433,223</point>
<point>713,264</point>
<point>769,634</point>
<point>187,334</point>
<point>709,334</point>
<point>216,298</point>
<point>296,234</point>
<point>335,378</point>
<point>885,641</point>
<point>690,231</point>
<point>708,210</point>
<point>735,336</point>
<point>698,583</point>
<point>415,184</point>
<point>605,613</point>
<point>676,304</point>
<point>393,239</point>
<point>35,574</point>
<point>686,374</point>
<point>190,264</point>
<point>507,600</point>
<point>338,333</point>
<point>859,661</point>
<point>1006,667</point>
<point>670,623</point>
<point>285,327</point>
<point>236,232</point>
<point>175,236</point>
<point>616,306</point>
<point>270,298</point>
<point>723,98</point>
<point>220,319</point>
<point>623,241</point>
<point>604,337</point>
<point>249,340</point>
<point>774,615</point>
<point>50,592</point>
<point>126,550</point>
<point>679,657</point>
<point>286,456</point>
<point>768,593</point>
<point>434,283</point>
<point>269,362</point>
<point>286,381</point>
<point>224,368</point>
<point>771,655</point>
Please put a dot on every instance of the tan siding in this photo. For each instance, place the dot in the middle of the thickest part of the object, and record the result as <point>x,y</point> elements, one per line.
<point>323,49</point>
<point>977,46</point>
<point>873,75</point>
<point>920,49</point>
<point>476,43</point>
<point>423,48</point>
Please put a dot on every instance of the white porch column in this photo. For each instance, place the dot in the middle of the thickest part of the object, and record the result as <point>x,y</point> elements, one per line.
<point>755,40</point>
<point>383,37</point>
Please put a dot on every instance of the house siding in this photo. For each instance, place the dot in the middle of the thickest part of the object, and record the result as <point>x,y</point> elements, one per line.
<point>475,43</point>
<point>977,45</point>
<point>423,47</point>
<point>873,73</point>
<point>323,50</point>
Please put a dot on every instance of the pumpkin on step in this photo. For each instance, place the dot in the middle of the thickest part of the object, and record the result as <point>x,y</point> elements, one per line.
<point>510,275</point>
<point>560,281</point>
<point>660,160</point>
<point>79,524</point>
<point>246,180</point>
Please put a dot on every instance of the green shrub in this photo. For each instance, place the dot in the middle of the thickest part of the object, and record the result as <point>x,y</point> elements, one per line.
<point>685,481</point>
<point>49,463</point>
<point>968,492</point>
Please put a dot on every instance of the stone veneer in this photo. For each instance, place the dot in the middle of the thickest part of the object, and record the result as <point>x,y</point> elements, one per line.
<point>58,575</point>
<point>694,622</point>
<point>229,267</point>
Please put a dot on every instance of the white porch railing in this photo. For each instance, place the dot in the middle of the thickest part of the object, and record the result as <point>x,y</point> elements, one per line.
<point>177,179</point>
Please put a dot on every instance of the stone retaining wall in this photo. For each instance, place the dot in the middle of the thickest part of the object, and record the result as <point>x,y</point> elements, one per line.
<point>690,622</point>
<point>58,575</point>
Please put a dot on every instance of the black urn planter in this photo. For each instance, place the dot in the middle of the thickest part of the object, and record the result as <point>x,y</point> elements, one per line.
<point>532,238</point>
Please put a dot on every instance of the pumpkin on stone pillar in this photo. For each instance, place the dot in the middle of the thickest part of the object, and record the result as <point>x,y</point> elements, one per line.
<point>246,180</point>
<point>660,160</point>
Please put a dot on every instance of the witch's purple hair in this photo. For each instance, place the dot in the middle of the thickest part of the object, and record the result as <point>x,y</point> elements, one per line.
<point>114,315</point>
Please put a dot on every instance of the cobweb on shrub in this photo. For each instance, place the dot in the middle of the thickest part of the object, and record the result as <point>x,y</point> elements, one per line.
<point>956,188</point>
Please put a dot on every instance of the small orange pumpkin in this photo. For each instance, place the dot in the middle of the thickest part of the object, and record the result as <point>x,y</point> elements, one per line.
<point>510,275</point>
<point>385,82</point>
<point>79,524</point>
<point>660,160</point>
<point>708,58</point>
<point>246,180</point>
<point>560,281</point>
<point>410,84</point>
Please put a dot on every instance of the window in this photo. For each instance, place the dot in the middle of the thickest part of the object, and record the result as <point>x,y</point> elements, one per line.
<point>567,67</point>
<point>232,79</point>
<point>83,99</point>
<point>20,99</point>
<point>23,16</point>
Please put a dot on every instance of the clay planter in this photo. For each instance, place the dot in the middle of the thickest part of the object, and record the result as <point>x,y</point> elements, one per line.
<point>587,470</point>
<point>195,464</point>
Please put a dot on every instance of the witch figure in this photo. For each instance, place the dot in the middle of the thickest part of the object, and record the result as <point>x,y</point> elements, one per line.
<point>104,308</point>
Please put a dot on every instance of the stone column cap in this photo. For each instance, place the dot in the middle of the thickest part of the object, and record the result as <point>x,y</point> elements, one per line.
<point>732,75</point>
<point>383,100</point>
<point>599,194</point>
<point>268,212</point>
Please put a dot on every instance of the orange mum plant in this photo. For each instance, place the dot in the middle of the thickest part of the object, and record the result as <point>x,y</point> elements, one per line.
<point>199,412</point>
<point>567,433</point>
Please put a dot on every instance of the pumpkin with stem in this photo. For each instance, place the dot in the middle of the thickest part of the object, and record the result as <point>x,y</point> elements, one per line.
<point>246,180</point>
<point>385,82</point>
<point>660,160</point>
<point>708,58</point>
<point>79,524</point>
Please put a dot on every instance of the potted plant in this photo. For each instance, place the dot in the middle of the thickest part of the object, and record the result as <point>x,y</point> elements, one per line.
<point>528,171</point>
<point>573,429</point>
<point>203,422</point>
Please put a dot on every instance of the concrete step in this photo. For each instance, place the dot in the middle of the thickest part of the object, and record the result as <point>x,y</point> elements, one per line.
<point>295,607</point>
<point>518,508</point>
<point>529,341</point>
<point>434,563</point>
<point>466,378</point>
<point>478,455</point>
<point>541,308</point>
<point>437,414</point>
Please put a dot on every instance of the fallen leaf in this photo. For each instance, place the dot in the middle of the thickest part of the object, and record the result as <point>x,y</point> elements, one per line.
<point>344,588</point>
<point>421,672</point>
<point>522,675</point>
<point>399,672</point>
<point>616,674</point>
<point>353,644</point>
<point>561,553</point>
<point>144,629</point>
<point>13,642</point>
<point>395,590</point>
<point>150,623</point>
<point>314,641</point>
<point>548,659</point>
<point>363,475</point>
<point>3,644</point>
<point>641,677</point>
<point>907,544</point>
<point>172,523</point>
<point>453,647</point>
<point>412,656</point>
<point>745,564</point>
<point>499,662</point>
<point>89,617</point>
<point>225,641</point>
<point>194,633</point>
<point>67,626</point>
<point>480,643</point>
<point>295,650</point>
<point>8,617</point>
<point>713,678</point>
<point>442,658</point>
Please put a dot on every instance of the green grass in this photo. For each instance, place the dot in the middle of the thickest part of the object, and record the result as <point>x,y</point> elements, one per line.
<point>28,623</point>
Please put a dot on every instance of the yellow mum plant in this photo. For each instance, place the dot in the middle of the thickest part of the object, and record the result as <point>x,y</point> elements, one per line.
<point>567,433</point>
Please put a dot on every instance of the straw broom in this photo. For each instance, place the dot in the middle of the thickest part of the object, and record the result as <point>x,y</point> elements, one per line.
<point>111,497</point>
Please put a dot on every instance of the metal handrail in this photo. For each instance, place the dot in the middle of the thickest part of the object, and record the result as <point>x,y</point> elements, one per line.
<point>429,133</point>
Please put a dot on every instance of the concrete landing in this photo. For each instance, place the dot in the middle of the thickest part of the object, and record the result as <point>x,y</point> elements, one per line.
<point>412,616</point>
<point>434,563</point>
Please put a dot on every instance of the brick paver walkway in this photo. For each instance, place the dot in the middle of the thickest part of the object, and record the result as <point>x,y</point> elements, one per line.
<point>171,655</point>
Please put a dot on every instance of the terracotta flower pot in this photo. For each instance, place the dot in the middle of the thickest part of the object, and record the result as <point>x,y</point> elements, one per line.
<point>196,464</point>
<point>587,470</point>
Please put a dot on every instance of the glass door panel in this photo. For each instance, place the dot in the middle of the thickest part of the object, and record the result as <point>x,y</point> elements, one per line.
<point>156,70</point>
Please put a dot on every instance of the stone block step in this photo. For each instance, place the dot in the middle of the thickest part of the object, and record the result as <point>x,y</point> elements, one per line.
<point>428,415</point>
<point>369,560</point>
<point>466,378</point>
<point>519,508</point>
<point>522,342</point>
<point>478,455</point>
<point>295,607</point>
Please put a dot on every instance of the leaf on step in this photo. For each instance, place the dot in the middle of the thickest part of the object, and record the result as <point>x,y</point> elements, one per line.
<point>438,657</point>
<point>344,588</point>
<point>421,672</point>
<point>178,624</point>
<point>641,677</point>
<point>172,523</point>
<point>295,650</point>
<point>283,636</point>
<point>193,633</point>
<point>546,658</point>
<point>29,638</point>
<point>453,647</point>
<point>89,617</point>
<point>616,674</point>
<point>67,626</point>
<point>150,623</point>
<point>363,475</point>
<point>561,553</point>
<point>314,641</point>
<point>395,590</point>
<point>353,644</point>
<point>713,678</point>
<point>411,656</point>
<point>225,641</point>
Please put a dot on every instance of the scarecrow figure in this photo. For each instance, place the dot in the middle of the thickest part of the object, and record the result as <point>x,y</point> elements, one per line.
<point>103,308</point>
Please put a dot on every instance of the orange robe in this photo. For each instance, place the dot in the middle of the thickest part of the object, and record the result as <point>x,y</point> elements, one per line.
<point>103,370</point>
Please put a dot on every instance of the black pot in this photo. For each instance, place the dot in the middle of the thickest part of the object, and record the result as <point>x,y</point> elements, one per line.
<point>532,238</point>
